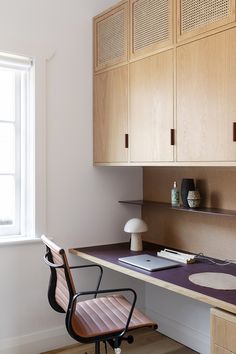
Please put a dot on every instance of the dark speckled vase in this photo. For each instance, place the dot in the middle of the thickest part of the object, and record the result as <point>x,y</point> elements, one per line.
<point>186,186</point>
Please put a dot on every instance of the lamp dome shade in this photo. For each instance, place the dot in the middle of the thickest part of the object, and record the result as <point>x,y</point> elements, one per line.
<point>135,226</point>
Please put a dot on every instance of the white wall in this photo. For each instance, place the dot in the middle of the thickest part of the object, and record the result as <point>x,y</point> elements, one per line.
<point>179,317</point>
<point>81,201</point>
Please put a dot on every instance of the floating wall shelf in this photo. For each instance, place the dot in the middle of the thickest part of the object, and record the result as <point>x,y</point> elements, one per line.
<point>209,211</point>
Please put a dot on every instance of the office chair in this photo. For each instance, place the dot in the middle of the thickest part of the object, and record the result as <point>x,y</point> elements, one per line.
<point>100,319</point>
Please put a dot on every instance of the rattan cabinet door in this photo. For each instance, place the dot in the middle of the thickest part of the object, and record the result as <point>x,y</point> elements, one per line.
<point>195,17</point>
<point>151,27</point>
<point>111,37</point>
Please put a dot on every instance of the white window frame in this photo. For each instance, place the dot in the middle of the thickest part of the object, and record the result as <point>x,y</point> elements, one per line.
<point>24,147</point>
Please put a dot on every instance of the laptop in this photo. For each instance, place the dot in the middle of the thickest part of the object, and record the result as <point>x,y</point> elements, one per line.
<point>150,263</point>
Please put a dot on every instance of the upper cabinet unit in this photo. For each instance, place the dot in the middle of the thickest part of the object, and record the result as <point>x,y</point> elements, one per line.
<point>196,17</point>
<point>151,108</point>
<point>110,116</point>
<point>151,26</point>
<point>165,83</point>
<point>111,37</point>
<point>206,109</point>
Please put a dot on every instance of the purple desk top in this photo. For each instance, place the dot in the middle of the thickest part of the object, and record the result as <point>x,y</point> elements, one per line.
<point>177,276</point>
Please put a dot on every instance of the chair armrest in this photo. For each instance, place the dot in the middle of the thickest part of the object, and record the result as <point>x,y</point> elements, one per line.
<point>105,291</point>
<point>50,264</point>
<point>72,306</point>
<point>88,266</point>
<point>91,266</point>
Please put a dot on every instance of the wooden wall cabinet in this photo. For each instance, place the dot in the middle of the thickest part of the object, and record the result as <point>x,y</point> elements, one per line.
<point>152,30</point>
<point>223,329</point>
<point>110,116</point>
<point>151,108</point>
<point>206,110</point>
<point>151,27</point>
<point>164,69</point>
<point>220,350</point>
<point>111,37</point>
<point>198,17</point>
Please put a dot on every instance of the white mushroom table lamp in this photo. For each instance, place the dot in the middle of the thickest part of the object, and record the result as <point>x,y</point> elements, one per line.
<point>135,227</point>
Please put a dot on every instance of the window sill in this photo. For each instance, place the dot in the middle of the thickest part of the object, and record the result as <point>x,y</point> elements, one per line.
<point>18,240</point>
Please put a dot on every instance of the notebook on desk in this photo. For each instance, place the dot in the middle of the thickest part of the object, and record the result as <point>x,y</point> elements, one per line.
<point>150,263</point>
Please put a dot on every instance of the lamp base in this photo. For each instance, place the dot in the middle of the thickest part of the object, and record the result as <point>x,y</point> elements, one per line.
<point>136,242</point>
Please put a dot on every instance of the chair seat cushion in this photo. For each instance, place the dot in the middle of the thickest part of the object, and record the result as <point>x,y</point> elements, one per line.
<point>106,315</point>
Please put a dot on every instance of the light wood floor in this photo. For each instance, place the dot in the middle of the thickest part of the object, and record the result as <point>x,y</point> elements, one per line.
<point>145,342</point>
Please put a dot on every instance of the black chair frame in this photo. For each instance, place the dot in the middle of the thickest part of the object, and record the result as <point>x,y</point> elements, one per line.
<point>113,339</point>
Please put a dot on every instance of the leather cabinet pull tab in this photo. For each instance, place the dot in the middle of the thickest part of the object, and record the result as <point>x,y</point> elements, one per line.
<point>234,131</point>
<point>172,137</point>
<point>126,141</point>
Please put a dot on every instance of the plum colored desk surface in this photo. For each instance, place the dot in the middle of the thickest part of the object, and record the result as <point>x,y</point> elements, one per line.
<point>174,279</point>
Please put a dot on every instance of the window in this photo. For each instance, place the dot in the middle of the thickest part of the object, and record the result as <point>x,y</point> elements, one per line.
<point>16,146</point>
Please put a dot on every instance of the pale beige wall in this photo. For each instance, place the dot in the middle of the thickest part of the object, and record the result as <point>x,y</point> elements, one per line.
<point>81,201</point>
<point>213,235</point>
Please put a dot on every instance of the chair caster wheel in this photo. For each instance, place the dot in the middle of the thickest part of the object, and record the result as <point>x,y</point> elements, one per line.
<point>130,339</point>
<point>117,350</point>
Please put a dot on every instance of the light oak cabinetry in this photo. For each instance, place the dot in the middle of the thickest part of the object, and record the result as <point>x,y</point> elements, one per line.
<point>111,37</point>
<point>165,70</point>
<point>206,110</point>
<point>110,115</point>
<point>219,350</point>
<point>198,17</point>
<point>151,26</point>
<point>151,108</point>
<point>151,31</point>
<point>223,330</point>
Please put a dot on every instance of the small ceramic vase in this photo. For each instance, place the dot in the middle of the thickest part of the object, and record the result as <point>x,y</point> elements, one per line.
<point>194,199</point>
<point>187,185</point>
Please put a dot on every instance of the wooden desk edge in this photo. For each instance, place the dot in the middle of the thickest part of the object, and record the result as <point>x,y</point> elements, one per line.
<point>163,284</point>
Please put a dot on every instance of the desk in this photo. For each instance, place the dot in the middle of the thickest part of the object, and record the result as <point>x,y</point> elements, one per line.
<point>223,325</point>
<point>173,279</point>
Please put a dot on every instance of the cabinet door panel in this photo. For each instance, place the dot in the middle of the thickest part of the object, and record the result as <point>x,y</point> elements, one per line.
<point>111,37</point>
<point>206,109</point>
<point>224,334</point>
<point>151,108</point>
<point>150,26</point>
<point>110,115</point>
<point>219,350</point>
<point>197,17</point>
<point>223,329</point>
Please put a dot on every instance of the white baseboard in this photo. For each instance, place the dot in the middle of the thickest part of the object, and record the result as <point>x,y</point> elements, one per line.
<point>37,342</point>
<point>183,334</point>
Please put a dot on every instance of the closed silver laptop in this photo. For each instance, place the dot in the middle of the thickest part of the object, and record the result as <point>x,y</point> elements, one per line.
<point>150,263</point>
